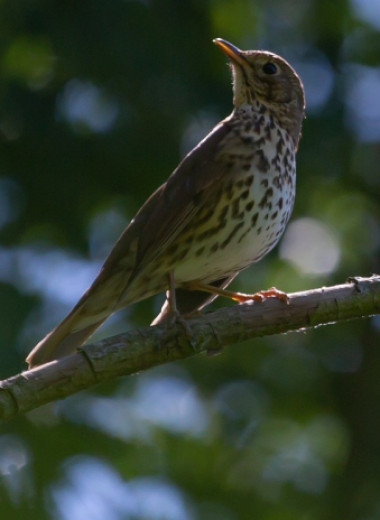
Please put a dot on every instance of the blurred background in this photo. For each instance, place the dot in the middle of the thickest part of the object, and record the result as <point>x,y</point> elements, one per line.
<point>98,103</point>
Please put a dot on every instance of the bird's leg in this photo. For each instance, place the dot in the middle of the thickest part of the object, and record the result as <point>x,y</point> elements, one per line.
<point>238,296</point>
<point>171,297</point>
<point>174,315</point>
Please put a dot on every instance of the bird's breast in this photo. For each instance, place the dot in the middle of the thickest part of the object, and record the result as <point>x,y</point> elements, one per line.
<point>245,219</point>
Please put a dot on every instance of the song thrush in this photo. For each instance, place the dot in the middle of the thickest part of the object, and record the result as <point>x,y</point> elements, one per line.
<point>223,208</point>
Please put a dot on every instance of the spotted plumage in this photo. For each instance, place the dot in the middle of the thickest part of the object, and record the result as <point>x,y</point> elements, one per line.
<point>223,208</point>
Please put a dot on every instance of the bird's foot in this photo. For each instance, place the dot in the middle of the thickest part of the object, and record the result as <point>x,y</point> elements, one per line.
<point>261,296</point>
<point>173,316</point>
<point>176,318</point>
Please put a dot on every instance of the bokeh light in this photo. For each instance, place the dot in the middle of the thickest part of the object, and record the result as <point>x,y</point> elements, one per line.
<point>311,246</point>
<point>87,107</point>
<point>363,114</point>
<point>92,489</point>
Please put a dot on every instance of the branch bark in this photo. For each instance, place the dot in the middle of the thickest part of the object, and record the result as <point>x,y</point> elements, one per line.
<point>140,349</point>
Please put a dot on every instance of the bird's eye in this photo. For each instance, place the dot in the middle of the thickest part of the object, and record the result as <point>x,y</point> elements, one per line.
<point>270,68</point>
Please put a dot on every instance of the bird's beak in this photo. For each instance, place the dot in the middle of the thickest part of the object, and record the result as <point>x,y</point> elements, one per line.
<point>234,53</point>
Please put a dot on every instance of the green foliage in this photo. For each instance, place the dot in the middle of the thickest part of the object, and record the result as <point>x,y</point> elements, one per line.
<point>99,101</point>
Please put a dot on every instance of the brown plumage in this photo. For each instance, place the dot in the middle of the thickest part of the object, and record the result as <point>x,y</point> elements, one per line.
<point>224,207</point>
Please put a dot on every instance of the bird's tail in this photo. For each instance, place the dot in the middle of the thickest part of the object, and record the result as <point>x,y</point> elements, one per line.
<point>63,340</point>
<point>110,291</point>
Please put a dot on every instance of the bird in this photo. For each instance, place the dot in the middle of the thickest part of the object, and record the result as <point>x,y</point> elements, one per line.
<point>223,208</point>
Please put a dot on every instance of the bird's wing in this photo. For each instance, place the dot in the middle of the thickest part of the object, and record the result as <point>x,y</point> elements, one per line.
<point>174,204</point>
<point>164,214</point>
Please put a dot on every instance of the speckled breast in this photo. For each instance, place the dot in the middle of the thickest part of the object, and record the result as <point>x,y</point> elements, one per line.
<point>248,214</point>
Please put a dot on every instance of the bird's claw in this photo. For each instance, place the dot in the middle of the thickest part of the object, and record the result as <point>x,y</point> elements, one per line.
<point>177,318</point>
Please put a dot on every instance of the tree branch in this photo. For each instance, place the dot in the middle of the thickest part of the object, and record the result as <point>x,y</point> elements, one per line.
<point>140,349</point>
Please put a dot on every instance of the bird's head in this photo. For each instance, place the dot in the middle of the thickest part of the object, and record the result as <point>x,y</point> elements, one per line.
<point>264,77</point>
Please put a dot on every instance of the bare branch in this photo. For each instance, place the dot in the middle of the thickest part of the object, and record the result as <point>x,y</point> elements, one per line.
<point>140,349</point>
